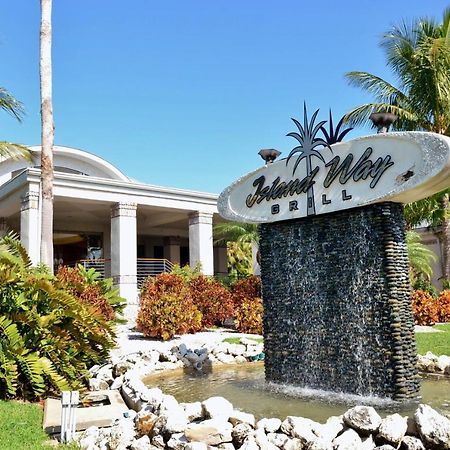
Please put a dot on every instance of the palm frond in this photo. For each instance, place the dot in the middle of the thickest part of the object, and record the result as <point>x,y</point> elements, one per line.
<point>15,151</point>
<point>9,104</point>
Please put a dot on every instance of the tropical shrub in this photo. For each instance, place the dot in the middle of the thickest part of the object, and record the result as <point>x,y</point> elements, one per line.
<point>187,272</point>
<point>212,299</point>
<point>249,316</point>
<point>423,284</point>
<point>48,338</point>
<point>167,308</point>
<point>249,287</point>
<point>443,304</point>
<point>248,305</point>
<point>91,289</point>
<point>425,308</point>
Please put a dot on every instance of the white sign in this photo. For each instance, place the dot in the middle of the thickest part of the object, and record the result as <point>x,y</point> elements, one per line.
<point>398,167</point>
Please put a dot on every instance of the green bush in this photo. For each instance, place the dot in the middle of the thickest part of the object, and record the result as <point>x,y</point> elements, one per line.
<point>167,308</point>
<point>48,338</point>
<point>212,299</point>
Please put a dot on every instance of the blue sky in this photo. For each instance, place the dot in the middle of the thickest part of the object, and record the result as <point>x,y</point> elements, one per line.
<point>185,93</point>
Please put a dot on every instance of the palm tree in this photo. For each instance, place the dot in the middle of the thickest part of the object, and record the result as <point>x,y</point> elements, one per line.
<point>47,134</point>
<point>419,56</point>
<point>307,149</point>
<point>420,256</point>
<point>12,106</point>
<point>241,240</point>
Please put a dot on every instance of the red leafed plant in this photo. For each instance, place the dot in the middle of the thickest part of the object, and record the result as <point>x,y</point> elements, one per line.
<point>86,288</point>
<point>425,308</point>
<point>167,307</point>
<point>443,302</point>
<point>248,304</point>
<point>212,299</point>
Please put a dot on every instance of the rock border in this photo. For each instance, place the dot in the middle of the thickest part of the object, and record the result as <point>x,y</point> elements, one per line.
<point>157,421</point>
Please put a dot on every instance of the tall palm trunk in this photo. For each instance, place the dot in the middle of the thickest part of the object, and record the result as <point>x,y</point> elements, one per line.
<point>47,134</point>
<point>445,239</point>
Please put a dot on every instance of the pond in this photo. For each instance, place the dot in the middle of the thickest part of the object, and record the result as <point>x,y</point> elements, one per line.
<point>244,386</point>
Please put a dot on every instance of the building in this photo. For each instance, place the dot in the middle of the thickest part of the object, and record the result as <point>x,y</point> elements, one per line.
<point>103,219</point>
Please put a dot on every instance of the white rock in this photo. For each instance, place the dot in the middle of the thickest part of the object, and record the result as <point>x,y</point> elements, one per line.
<point>434,429</point>
<point>363,419</point>
<point>96,384</point>
<point>168,403</point>
<point>333,426</point>
<point>236,349</point>
<point>193,410</point>
<point>348,440</point>
<point>117,383</point>
<point>153,397</point>
<point>293,444</point>
<point>222,347</point>
<point>262,441</point>
<point>142,443</point>
<point>240,433</point>
<point>211,432</point>
<point>269,425</point>
<point>443,362</point>
<point>320,443</point>
<point>412,443</point>
<point>304,429</point>
<point>392,429</point>
<point>250,444</point>
<point>158,441</point>
<point>195,446</point>
<point>122,434</point>
<point>237,417</point>
<point>225,358</point>
<point>121,368</point>
<point>177,441</point>
<point>217,407</point>
<point>240,359</point>
<point>278,439</point>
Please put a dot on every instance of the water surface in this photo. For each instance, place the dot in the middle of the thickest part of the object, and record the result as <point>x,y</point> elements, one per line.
<point>245,387</point>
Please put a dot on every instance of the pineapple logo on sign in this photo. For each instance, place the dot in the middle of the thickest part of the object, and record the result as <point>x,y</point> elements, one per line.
<point>308,142</point>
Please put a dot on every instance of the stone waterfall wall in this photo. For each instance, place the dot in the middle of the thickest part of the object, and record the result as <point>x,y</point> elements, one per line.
<point>337,313</point>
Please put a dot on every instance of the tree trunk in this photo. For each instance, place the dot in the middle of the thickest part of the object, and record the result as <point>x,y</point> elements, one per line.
<point>445,240</point>
<point>47,134</point>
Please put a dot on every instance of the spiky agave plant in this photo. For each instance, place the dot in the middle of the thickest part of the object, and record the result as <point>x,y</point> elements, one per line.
<point>334,135</point>
<point>307,150</point>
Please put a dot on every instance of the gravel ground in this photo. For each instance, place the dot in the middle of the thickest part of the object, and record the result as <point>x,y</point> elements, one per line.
<point>131,341</point>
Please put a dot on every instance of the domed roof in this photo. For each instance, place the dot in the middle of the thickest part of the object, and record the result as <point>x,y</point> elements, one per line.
<point>66,160</point>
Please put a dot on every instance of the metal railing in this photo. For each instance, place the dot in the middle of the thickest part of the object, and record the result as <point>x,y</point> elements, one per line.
<point>149,267</point>
<point>146,267</point>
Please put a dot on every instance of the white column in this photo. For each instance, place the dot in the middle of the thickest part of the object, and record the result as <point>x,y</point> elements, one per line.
<point>123,254</point>
<point>201,241</point>
<point>29,225</point>
<point>255,263</point>
<point>172,249</point>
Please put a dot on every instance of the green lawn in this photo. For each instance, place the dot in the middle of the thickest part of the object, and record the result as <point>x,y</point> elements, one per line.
<point>236,340</point>
<point>437,343</point>
<point>21,427</point>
